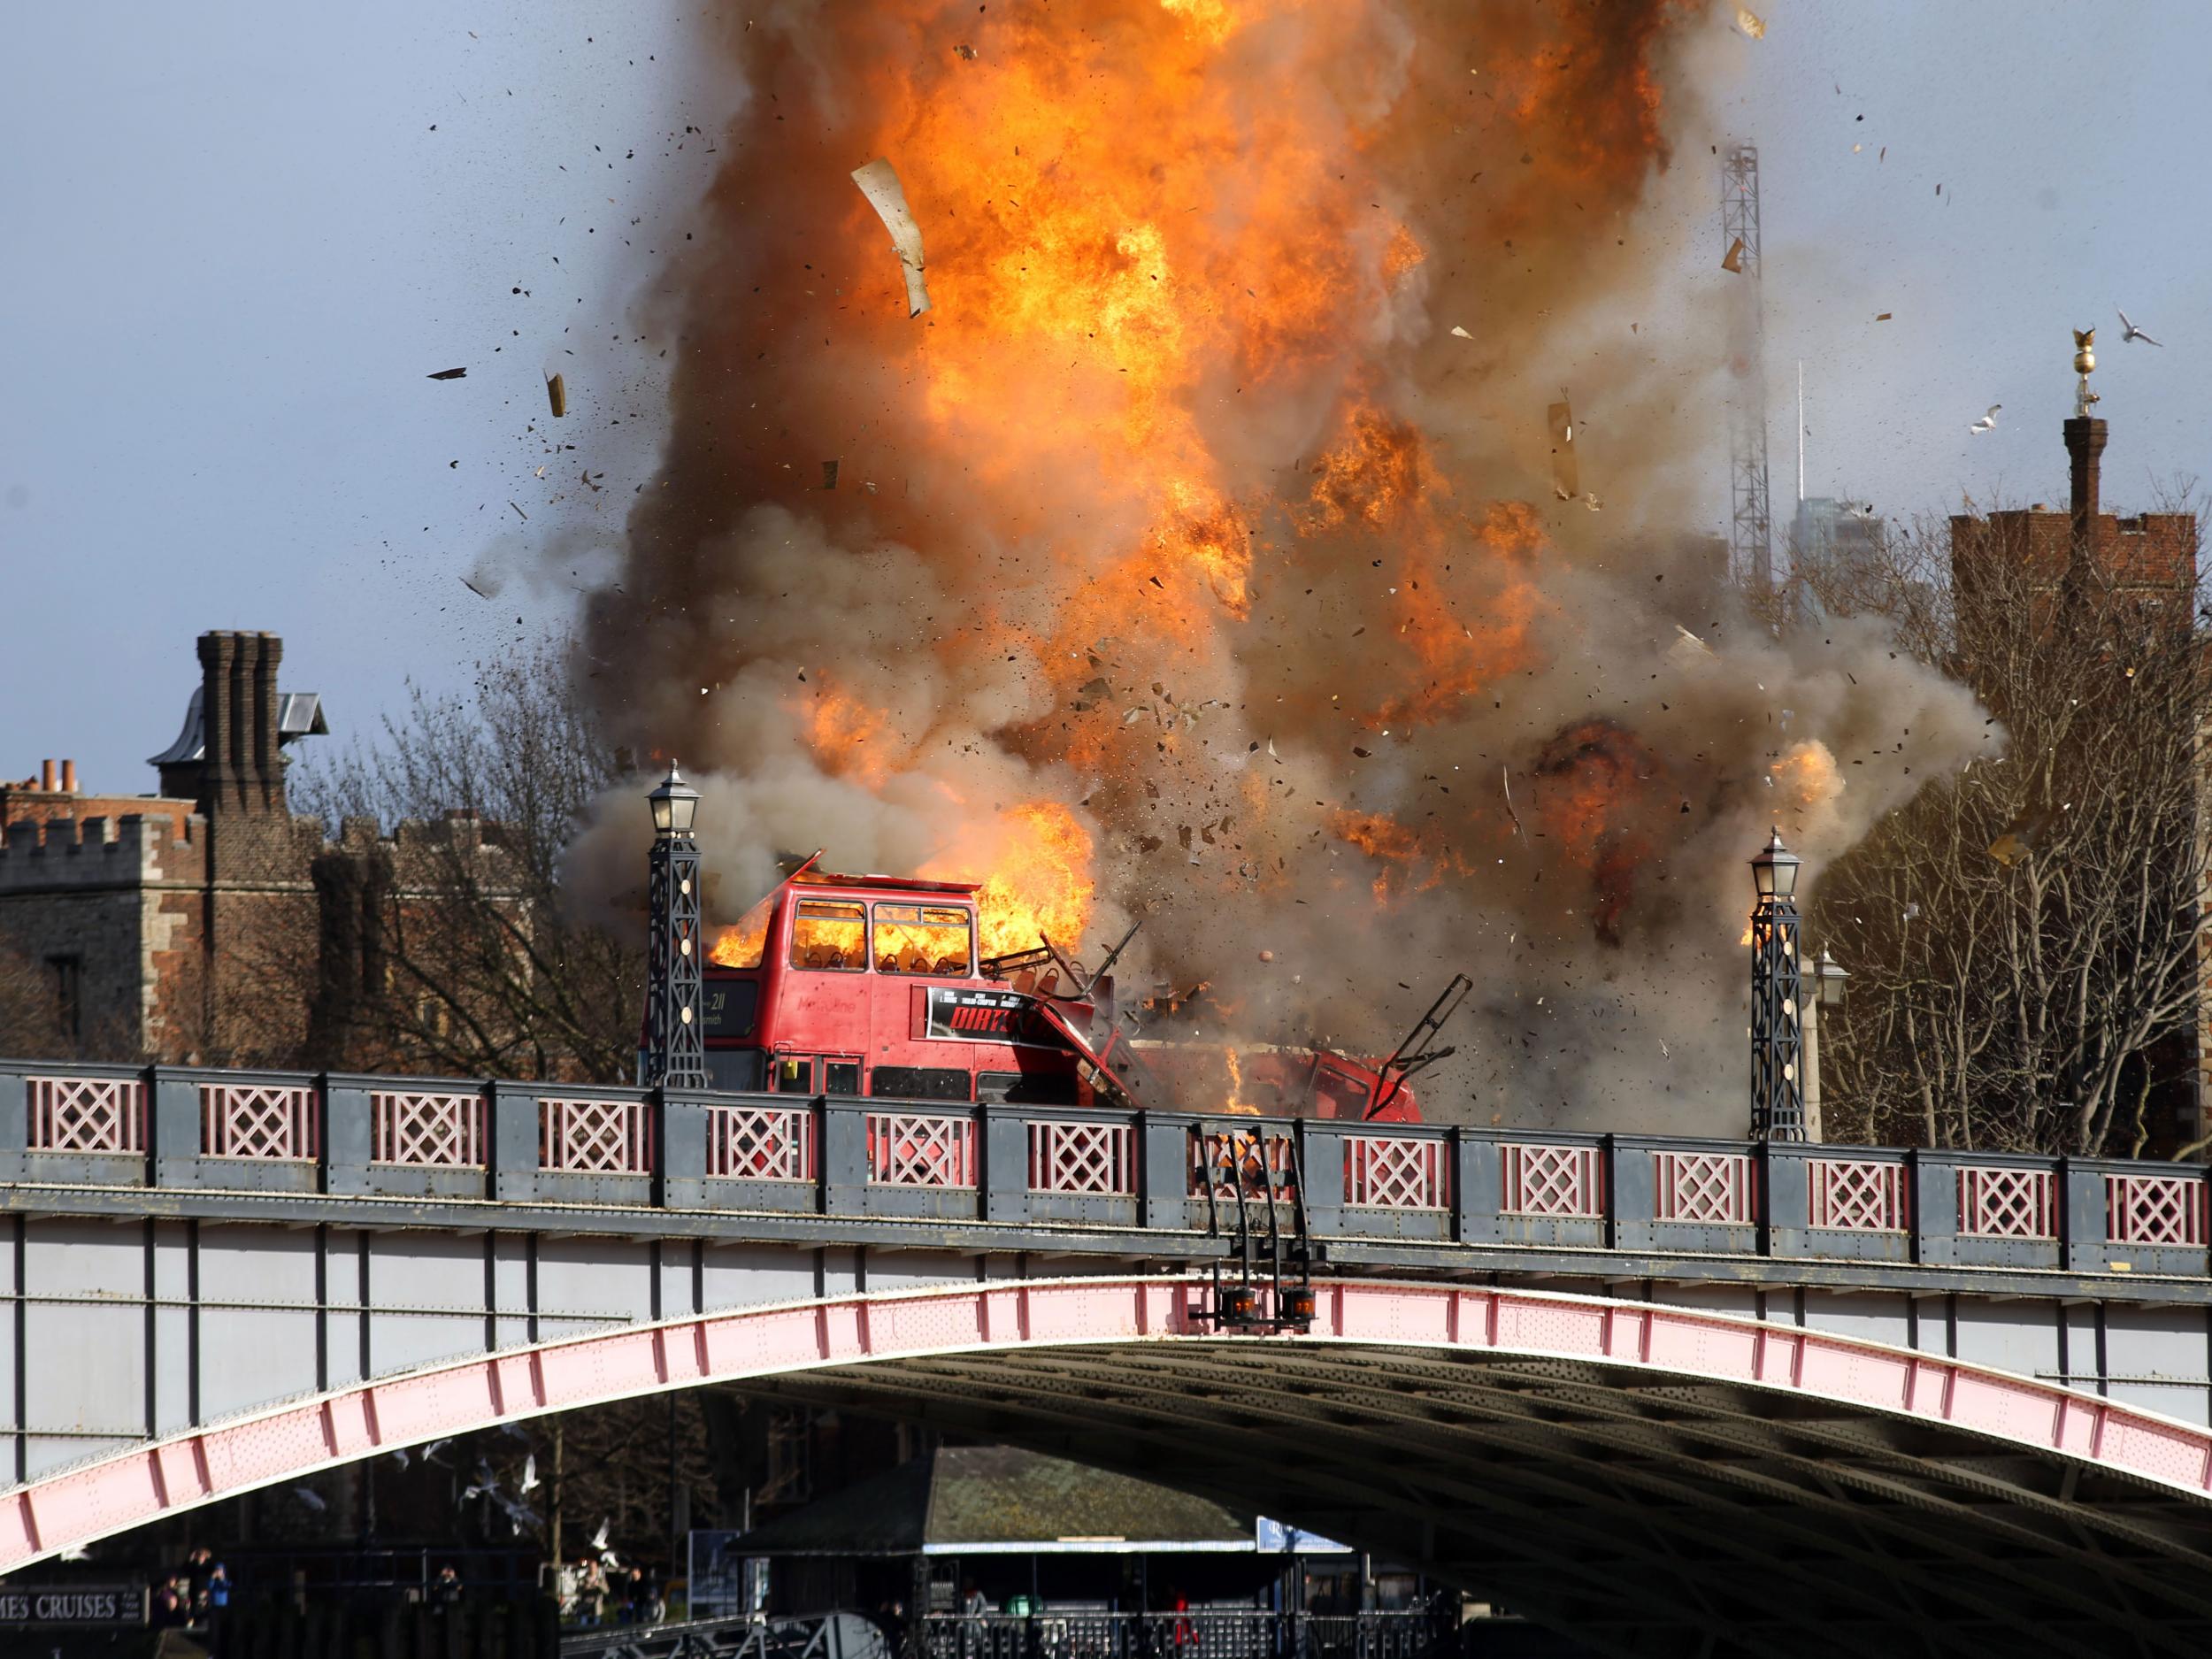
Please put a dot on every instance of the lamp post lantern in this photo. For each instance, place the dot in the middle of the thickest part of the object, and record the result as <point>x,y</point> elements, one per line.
<point>676,1054</point>
<point>1778,1099</point>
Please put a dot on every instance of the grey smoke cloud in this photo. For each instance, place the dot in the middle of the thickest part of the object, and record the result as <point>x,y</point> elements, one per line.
<point>1270,593</point>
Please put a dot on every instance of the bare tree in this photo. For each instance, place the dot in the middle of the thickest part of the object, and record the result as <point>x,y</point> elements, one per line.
<point>2024,938</point>
<point>448,946</point>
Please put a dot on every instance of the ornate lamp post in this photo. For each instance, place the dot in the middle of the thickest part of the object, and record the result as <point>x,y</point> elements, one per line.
<point>1777,1102</point>
<point>677,1055</point>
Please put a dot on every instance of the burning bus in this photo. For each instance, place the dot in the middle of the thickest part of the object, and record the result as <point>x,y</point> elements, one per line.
<point>872,985</point>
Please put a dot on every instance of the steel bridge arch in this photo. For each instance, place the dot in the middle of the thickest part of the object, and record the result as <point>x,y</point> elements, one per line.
<point>1657,1479</point>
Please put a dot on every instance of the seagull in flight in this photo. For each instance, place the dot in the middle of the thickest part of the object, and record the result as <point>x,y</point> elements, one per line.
<point>1987,423</point>
<point>2128,331</point>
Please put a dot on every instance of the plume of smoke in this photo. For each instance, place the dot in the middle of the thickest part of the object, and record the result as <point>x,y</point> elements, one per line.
<point>1184,511</point>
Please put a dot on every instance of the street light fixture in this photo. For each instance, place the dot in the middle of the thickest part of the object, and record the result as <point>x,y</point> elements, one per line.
<point>1833,975</point>
<point>1778,1099</point>
<point>1774,871</point>
<point>676,1055</point>
<point>674,804</point>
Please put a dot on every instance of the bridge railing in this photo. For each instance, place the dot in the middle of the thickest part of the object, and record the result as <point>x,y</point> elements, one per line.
<point>430,1139</point>
<point>1200,1634</point>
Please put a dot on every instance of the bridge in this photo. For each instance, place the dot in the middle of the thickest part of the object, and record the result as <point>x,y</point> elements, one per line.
<point>1677,1396</point>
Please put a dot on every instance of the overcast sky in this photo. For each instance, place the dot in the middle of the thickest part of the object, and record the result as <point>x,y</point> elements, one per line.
<point>235,239</point>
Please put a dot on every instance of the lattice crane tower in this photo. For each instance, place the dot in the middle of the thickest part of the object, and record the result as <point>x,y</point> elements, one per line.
<point>1750,527</point>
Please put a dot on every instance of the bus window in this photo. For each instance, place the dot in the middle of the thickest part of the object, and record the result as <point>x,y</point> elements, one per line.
<point>919,1082</point>
<point>744,944</point>
<point>830,933</point>
<point>792,1074</point>
<point>922,939</point>
<point>840,1076</point>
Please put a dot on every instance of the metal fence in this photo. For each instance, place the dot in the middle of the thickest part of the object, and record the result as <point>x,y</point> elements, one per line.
<point>336,1136</point>
<point>1209,1634</point>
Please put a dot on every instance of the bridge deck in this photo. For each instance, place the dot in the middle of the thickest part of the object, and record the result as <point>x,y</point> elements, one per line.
<point>369,1151</point>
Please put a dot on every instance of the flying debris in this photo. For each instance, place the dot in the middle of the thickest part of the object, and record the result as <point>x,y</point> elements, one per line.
<point>1733,259</point>
<point>1461,332</point>
<point>1987,423</point>
<point>481,593</point>
<point>2128,331</point>
<point>449,374</point>
<point>1688,649</point>
<point>557,395</point>
<point>1751,23</point>
<point>878,182</point>
<point>1566,474</point>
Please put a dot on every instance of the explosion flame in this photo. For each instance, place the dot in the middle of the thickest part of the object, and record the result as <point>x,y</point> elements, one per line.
<point>1188,562</point>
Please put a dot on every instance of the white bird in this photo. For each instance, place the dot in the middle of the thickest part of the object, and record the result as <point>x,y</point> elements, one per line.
<point>313,1500</point>
<point>529,1474</point>
<point>430,1452</point>
<point>400,1457</point>
<point>77,1554</point>
<point>1987,423</point>
<point>599,1538</point>
<point>2128,331</point>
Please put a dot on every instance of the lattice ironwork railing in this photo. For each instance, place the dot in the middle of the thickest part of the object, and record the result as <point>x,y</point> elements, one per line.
<point>1072,1157</point>
<point>761,1143</point>
<point>1857,1196</point>
<point>1998,1203</point>
<point>1391,1173</point>
<point>595,1137</point>
<point>1550,1181</point>
<point>255,1120</point>
<point>433,1131</point>
<point>1256,1157</point>
<point>1711,1187</point>
<point>87,1114</point>
<point>920,1149</point>
<point>2154,1209</point>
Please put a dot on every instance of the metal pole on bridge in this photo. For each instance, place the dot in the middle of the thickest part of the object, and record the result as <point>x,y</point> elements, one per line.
<point>1778,1099</point>
<point>676,1056</point>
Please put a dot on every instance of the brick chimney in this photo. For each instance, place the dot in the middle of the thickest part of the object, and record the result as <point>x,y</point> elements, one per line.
<point>238,723</point>
<point>2085,447</point>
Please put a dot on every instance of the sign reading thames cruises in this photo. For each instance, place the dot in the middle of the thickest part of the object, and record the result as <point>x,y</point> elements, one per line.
<point>79,1606</point>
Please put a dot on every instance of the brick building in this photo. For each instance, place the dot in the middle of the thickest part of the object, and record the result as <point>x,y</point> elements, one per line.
<point>206,923</point>
<point>2154,554</point>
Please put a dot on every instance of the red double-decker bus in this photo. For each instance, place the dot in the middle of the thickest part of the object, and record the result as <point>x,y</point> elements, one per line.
<point>870,986</point>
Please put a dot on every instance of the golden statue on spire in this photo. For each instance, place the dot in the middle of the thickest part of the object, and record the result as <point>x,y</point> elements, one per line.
<point>2084,364</point>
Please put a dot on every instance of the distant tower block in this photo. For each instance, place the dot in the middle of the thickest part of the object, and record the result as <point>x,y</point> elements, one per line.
<point>1750,527</point>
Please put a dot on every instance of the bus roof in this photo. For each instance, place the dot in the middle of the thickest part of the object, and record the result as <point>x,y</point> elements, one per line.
<point>891,884</point>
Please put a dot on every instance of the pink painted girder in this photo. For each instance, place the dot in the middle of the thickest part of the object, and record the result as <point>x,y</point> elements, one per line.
<point>111,1495</point>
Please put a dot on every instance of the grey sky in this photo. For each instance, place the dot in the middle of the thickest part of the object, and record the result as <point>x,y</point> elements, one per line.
<point>231,248</point>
